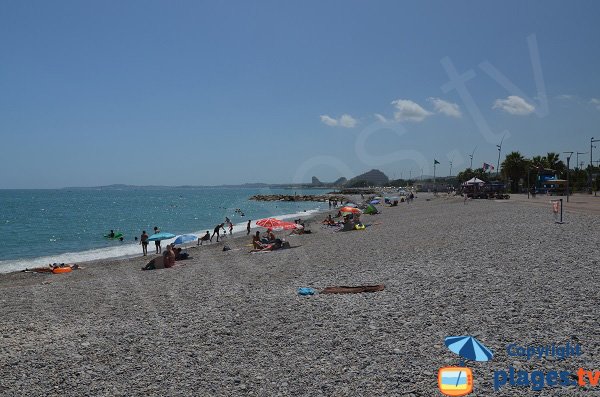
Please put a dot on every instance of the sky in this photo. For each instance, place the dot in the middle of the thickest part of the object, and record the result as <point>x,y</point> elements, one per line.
<point>226,92</point>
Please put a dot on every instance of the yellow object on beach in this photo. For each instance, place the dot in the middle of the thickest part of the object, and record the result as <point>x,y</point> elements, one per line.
<point>359,227</point>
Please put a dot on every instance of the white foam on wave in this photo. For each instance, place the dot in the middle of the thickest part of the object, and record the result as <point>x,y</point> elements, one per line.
<point>123,250</point>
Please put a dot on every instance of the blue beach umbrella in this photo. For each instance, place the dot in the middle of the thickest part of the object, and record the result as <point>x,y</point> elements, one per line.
<point>375,202</point>
<point>161,236</point>
<point>469,348</point>
<point>185,238</point>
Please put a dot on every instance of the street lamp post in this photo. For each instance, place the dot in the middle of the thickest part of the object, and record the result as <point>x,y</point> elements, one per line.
<point>471,156</point>
<point>591,165</point>
<point>568,172</point>
<point>577,158</point>
<point>434,185</point>
<point>499,150</point>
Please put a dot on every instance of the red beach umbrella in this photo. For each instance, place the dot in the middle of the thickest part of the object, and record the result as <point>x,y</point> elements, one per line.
<point>276,224</point>
<point>350,210</point>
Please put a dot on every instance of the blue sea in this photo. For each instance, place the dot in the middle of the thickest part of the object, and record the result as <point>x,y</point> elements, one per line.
<point>39,227</point>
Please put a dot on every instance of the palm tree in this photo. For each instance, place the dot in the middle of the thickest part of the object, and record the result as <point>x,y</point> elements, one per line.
<point>538,161</point>
<point>514,167</point>
<point>469,174</point>
<point>554,163</point>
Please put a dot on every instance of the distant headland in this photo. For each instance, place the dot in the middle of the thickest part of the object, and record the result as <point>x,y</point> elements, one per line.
<point>370,178</point>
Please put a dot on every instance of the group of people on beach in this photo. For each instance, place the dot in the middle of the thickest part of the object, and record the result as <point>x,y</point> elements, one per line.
<point>144,240</point>
<point>267,242</point>
<point>348,222</point>
<point>167,259</point>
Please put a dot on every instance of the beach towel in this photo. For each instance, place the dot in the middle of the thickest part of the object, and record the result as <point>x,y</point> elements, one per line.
<point>353,290</point>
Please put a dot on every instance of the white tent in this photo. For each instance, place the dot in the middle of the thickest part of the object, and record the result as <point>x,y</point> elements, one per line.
<point>474,181</point>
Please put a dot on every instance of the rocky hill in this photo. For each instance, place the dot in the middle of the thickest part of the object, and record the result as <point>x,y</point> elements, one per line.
<point>372,178</point>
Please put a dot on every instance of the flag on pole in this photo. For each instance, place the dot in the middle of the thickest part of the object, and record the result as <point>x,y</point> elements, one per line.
<point>435,162</point>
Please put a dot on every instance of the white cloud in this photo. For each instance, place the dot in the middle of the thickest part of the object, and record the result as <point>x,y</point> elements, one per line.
<point>514,105</point>
<point>381,118</point>
<point>595,102</point>
<point>325,119</point>
<point>565,97</point>
<point>347,121</point>
<point>407,110</point>
<point>445,107</point>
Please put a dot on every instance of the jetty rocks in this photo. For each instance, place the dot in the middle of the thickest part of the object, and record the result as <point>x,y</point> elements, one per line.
<point>292,197</point>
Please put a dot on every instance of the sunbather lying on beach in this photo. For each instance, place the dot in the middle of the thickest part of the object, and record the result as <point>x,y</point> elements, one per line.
<point>155,263</point>
<point>180,255</point>
<point>51,267</point>
<point>300,231</point>
<point>329,221</point>
<point>269,247</point>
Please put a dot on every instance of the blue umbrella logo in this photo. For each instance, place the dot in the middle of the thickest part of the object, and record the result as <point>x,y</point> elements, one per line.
<point>458,381</point>
<point>468,348</point>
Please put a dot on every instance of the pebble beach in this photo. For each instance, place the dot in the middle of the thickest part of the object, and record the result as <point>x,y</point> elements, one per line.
<point>231,323</point>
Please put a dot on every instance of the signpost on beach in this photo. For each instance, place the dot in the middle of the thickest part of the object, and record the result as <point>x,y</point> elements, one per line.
<point>557,207</point>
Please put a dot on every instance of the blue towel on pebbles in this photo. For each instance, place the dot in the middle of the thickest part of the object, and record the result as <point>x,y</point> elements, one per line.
<point>306,291</point>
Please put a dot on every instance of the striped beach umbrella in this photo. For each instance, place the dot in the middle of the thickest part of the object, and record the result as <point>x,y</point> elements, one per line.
<point>276,224</point>
<point>469,348</point>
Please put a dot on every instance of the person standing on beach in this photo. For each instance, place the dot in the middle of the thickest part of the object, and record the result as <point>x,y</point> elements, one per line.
<point>157,242</point>
<point>248,228</point>
<point>230,228</point>
<point>216,231</point>
<point>144,242</point>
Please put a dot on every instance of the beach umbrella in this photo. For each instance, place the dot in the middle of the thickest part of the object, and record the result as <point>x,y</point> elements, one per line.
<point>185,238</point>
<point>468,347</point>
<point>374,202</point>
<point>349,209</point>
<point>161,236</point>
<point>276,224</point>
